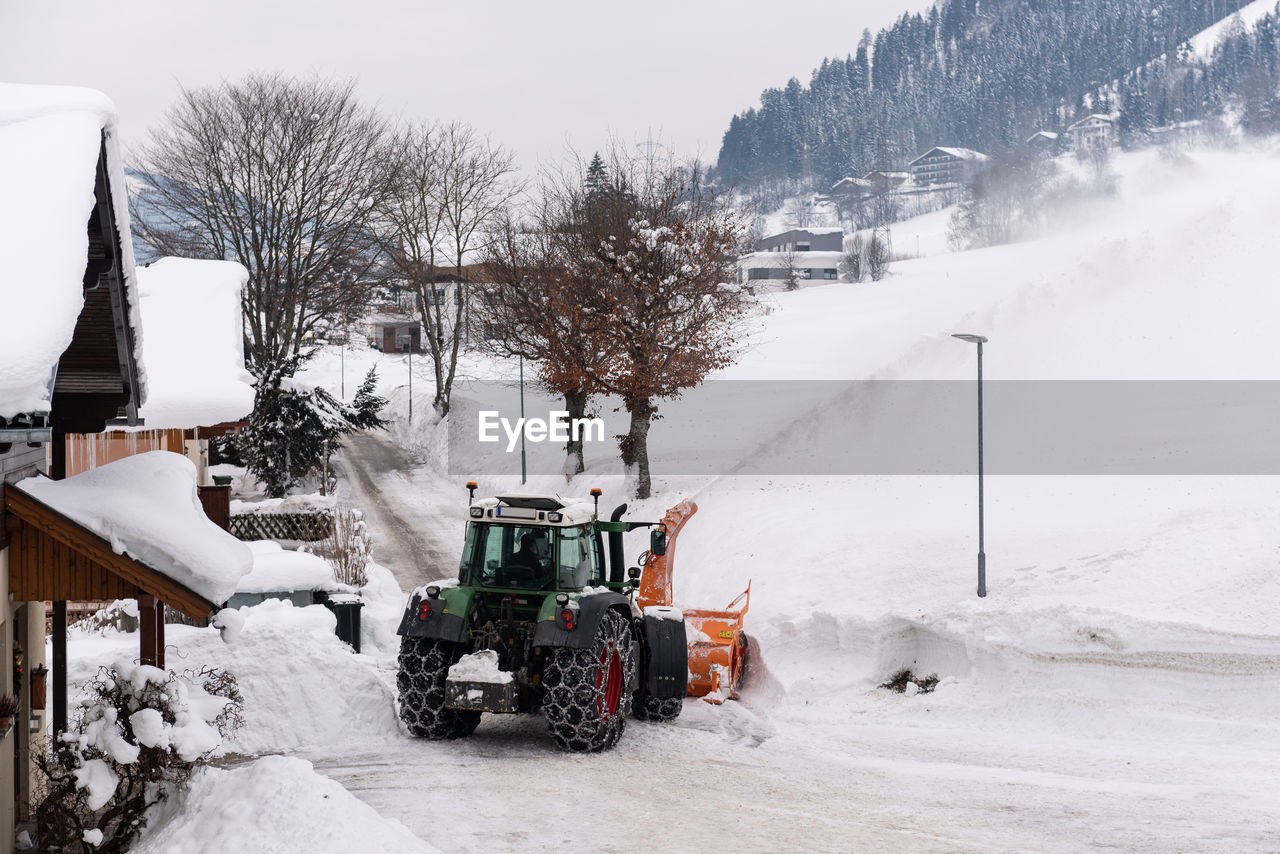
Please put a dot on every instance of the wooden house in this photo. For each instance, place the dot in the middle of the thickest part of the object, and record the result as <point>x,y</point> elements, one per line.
<point>70,346</point>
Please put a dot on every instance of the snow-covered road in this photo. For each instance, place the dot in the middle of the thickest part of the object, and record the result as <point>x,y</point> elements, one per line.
<point>402,506</point>
<point>905,774</point>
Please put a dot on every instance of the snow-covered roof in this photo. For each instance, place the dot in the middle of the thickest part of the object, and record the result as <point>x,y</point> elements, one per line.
<point>857,182</point>
<point>1042,134</point>
<point>886,174</point>
<point>277,569</point>
<point>800,260</point>
<point>146,507</point>
<point>1091,117</point>
<point>392,319</point>
<point>195,343</point>
<point>50,140</point>
<point>960,153</point>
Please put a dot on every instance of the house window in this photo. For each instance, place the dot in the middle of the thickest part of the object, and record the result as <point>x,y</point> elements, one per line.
<point>828,273</point>
<point>802,246</point>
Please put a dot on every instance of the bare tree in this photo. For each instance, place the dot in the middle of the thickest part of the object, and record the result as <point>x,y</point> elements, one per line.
<point>798,213</point>
<point>533,307</point>
<point>790,273</point>
<point>451,187</point>
<point>282,175</point>
<point>852,266</point>
<point>879,254</point>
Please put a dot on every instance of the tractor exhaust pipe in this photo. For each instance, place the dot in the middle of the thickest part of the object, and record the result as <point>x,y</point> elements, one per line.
<point>617,559</point>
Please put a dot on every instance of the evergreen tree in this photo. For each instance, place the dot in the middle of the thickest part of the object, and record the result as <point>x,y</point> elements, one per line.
<point>294,427</point>
<point>597,180</point>
<point>985,76</point>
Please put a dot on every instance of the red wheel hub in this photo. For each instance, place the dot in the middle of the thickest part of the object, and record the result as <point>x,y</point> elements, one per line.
<point>609,682</point>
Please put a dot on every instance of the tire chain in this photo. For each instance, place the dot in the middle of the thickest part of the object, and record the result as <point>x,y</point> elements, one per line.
<point>651,708</point>
<point>424,666</point>
<point>573,705</point>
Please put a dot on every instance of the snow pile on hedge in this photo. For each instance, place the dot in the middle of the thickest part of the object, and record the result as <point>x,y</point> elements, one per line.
<point>277,569</point>
<point>276,803</point>
<point>308,503</point>
<point>147,507</point>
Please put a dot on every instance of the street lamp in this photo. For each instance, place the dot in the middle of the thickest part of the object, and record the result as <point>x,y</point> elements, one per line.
<point>982,555</point>
<point>523,468</point>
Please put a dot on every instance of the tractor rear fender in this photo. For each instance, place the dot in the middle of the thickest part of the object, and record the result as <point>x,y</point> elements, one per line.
<point>591,610</point>
<point>443,618</point>
<point>665,668</point>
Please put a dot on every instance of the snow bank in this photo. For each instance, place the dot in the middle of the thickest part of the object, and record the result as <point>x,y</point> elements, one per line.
<point>195,346</point>
<point>276,803</point>
<point>277,569</point>
<point>147,507</point>
<point>50,140</point>
<point>302,687</point>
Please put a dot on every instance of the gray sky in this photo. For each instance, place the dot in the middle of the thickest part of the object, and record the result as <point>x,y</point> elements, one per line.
<point>534,75</point>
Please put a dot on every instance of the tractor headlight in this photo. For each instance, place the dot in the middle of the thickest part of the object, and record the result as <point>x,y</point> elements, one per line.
<point>555,517</point>
<point>433,592</point>
<point>562,599</point>
<point>477,512</point>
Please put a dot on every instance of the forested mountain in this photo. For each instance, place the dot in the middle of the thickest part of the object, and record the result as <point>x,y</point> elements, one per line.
<point>985,75</point>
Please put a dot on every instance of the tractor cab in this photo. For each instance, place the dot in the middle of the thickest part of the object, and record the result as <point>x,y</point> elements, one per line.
<point>532,542</point>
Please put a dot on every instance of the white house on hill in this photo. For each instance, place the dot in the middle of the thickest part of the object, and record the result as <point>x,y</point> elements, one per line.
<point>812,253</point>
<point>1093,133</point>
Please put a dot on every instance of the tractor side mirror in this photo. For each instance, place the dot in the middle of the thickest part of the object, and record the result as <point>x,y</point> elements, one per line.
<point>657,542</point>
<point>634,573</point>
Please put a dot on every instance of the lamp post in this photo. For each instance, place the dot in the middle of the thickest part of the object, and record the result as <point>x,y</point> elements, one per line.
<point>523,470</point>
<point>982,554</point>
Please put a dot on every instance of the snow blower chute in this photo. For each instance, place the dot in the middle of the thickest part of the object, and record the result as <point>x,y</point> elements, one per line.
<point>718,647</point>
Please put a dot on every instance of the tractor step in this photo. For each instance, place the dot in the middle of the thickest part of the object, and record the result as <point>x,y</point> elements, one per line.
<point>499,697</point>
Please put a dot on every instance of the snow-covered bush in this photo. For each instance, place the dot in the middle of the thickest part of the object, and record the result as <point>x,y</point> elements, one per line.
<point>140,733</point>
<point>120,616</point>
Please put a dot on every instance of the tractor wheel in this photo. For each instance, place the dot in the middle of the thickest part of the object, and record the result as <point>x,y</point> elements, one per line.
<point>424,666</point>
<point>741,662</point>
<point>588,691</point>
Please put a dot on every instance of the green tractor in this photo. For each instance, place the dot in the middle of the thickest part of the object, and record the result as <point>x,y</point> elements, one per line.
<point>536,622</point>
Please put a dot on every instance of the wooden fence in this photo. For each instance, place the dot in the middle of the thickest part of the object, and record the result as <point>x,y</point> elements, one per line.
<point>304,527</point>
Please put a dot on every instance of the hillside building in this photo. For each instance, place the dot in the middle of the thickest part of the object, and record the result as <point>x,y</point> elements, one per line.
<point>941,165</point>
<point>805,254</point>
<point>1093,134</point>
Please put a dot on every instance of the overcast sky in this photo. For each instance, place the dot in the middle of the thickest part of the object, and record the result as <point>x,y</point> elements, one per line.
<point>536,76</point>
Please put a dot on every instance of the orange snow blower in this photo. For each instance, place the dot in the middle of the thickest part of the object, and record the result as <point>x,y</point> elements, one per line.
<point>718,647</point>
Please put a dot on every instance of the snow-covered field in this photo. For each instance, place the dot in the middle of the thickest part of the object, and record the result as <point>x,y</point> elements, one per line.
<point>1115,689</point>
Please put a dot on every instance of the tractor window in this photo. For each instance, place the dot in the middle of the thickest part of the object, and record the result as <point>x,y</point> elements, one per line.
<point>575,563</point>
<point>468,552</point>
<point>512,556</point>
